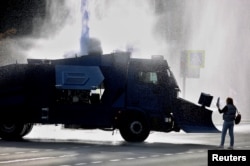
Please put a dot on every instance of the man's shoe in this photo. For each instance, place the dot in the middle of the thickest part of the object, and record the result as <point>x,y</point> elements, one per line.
<point>230,148</point>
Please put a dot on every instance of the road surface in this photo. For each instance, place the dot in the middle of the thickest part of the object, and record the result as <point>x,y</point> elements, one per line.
<point>50,145</point>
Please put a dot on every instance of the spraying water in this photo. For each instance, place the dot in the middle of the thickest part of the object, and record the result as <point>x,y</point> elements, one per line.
<point>221,28</point>
<point>85,28</point>
<point>61,29</point>
<point>124,25</point>
<point>118,25</point>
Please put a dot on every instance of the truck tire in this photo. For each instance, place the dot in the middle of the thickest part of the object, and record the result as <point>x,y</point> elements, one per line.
<point>28,129</point>
<point>134,129</point>
<point>12,131</point>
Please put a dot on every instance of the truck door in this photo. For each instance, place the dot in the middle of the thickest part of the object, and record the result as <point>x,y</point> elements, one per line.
<point>145,87</point>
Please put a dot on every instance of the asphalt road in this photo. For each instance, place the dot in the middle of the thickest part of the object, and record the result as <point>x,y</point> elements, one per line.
<point>50,145</point>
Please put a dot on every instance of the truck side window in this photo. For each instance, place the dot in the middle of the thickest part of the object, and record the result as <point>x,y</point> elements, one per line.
<point>148,77</point>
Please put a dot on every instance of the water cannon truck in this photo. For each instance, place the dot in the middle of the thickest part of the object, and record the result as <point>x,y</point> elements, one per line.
<point>109,92</point>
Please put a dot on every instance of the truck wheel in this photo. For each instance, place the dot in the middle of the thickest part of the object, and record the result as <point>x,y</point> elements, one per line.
<point>12,131</point>
<point>134,129</point>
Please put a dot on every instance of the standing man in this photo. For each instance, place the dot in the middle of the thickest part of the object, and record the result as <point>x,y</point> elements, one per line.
<point>229,112</point>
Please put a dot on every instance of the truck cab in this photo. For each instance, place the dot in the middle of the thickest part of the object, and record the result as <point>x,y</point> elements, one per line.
<point>152,88</point>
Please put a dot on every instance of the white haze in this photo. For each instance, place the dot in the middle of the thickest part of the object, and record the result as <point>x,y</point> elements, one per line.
<point>63,31</point>
<point>222,29</point>
<point>119,25</point>
<point>125,24</point>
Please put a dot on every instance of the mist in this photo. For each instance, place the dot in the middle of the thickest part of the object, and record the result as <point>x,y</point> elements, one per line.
<point>221,28</point>
<point>60,32</point>
<point>119,26</point>
<point>125,25</point>
<point>52,36</point>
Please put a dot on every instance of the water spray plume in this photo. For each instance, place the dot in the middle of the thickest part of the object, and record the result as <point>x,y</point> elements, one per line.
<point>122,25</point>
<point>84,41</point>
<point>118,25</point>
<point>63,31</point>
<point>221,28</point>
